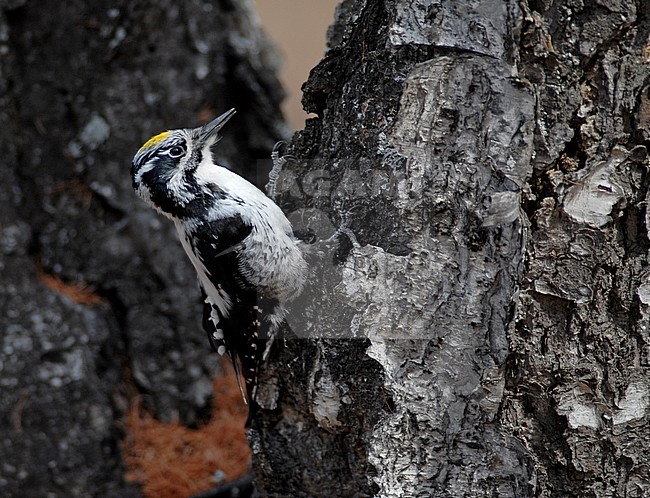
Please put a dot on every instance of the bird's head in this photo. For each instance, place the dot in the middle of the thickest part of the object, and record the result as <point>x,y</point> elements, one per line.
<point>163,169</point>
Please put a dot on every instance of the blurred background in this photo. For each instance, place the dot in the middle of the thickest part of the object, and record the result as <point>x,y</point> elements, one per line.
<point>298,28</point>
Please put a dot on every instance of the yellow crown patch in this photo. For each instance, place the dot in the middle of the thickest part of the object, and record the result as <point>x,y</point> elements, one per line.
<point>155,140</point>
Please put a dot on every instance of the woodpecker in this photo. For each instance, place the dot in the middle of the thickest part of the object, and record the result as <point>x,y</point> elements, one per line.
<point>249,264</point>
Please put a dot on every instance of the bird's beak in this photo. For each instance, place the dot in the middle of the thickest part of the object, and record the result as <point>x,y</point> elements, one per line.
<point>208,134</point>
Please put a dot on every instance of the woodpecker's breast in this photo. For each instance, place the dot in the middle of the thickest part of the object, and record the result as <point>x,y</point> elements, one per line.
<point>269,257</point>
<point>273,262</point>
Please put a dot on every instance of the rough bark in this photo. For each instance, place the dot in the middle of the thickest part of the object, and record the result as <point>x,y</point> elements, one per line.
<point>83,84</point>
<point>577,388</point>
<point>489,335</point>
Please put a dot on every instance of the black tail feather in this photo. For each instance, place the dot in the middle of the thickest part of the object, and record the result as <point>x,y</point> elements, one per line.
<point>242,335</point>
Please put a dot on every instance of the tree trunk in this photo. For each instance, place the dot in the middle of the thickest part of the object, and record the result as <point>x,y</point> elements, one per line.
<point>489,335</point>
<point>98,299</point>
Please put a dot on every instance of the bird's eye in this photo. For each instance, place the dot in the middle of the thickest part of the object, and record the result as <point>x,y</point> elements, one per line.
<point>176,151</point>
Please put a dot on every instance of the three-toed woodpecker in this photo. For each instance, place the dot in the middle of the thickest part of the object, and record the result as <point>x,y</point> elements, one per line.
<point>239,241</point>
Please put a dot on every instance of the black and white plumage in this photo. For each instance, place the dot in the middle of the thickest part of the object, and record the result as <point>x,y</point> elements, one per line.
<point>238,240</point>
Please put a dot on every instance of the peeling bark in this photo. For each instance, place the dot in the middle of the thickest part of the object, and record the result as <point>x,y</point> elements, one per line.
<point>489,334</point>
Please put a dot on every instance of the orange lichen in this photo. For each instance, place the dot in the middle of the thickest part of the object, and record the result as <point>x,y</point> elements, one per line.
<point>79,292</point>
<point>172,461</point>
<point>75,186</point>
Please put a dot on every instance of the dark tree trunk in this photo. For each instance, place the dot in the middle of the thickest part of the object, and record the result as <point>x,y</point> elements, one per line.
<point>83,85</point>
<point>489,336</point>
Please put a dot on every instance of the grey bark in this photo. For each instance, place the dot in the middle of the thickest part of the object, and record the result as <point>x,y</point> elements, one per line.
<point>83,84</point>
<point>489,335</point>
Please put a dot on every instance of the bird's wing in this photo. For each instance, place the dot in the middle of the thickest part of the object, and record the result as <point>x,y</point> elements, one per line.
<point>242,332</point>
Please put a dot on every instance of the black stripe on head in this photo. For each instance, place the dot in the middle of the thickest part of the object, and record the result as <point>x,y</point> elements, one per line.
<point>161,195</point>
